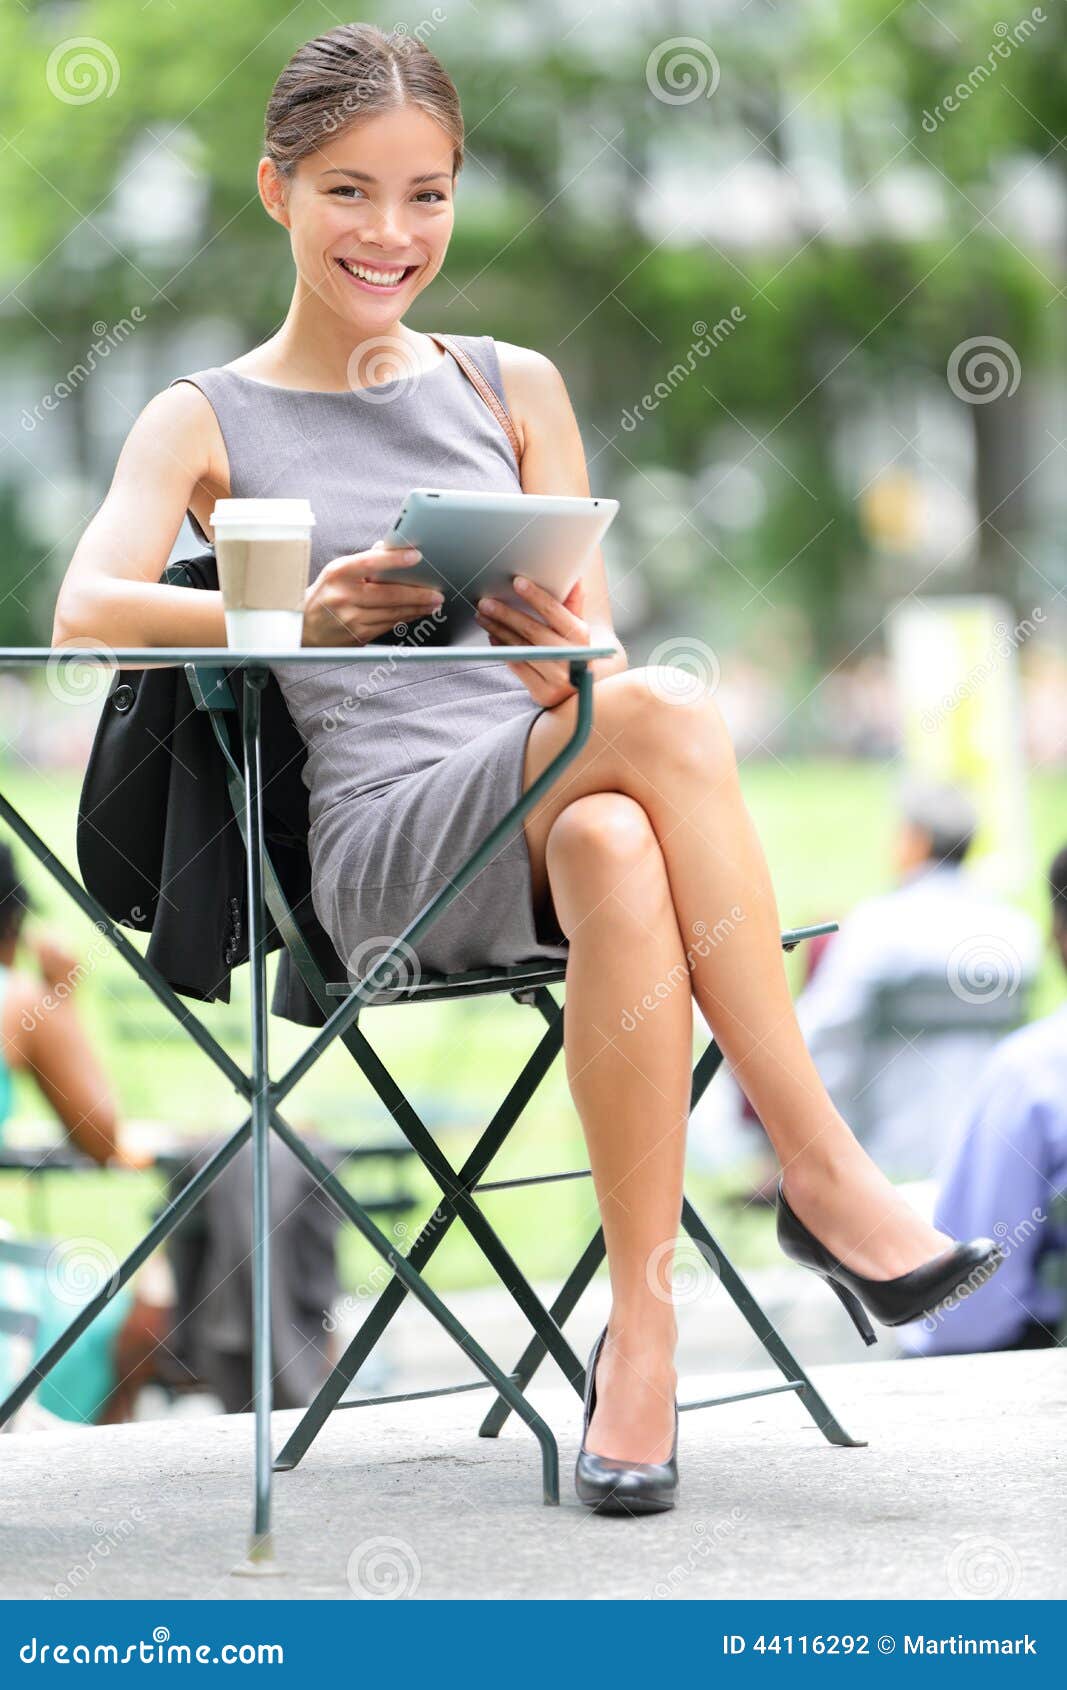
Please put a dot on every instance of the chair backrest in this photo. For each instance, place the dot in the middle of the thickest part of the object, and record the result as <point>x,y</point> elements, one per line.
<point>928,1004</point>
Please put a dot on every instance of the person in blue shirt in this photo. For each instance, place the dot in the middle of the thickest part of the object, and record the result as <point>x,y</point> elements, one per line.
<point>1005,1175</point>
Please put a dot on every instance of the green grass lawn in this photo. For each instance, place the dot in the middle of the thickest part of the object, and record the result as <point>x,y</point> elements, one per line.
<point>826,828</point>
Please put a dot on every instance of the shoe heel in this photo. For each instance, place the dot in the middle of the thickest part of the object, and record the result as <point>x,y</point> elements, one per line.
<point>856,1311</point>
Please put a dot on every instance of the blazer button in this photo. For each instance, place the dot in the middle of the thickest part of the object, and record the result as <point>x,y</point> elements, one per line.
<point>122,698</point>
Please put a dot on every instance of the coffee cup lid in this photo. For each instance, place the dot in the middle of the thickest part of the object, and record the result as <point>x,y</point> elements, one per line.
<point>290,512</point>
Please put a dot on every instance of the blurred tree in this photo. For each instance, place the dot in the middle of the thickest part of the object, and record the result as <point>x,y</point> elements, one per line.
<point>585,227</point>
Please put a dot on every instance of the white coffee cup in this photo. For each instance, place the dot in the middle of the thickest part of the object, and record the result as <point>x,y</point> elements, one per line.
<point>263,549</point>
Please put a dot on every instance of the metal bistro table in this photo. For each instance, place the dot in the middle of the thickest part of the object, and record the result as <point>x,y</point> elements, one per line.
<point>264,1096</point>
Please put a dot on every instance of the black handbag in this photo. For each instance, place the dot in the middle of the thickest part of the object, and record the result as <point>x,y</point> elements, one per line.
<point>158,843</point>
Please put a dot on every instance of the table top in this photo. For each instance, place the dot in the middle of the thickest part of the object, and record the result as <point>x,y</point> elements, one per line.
<point>223,657</point>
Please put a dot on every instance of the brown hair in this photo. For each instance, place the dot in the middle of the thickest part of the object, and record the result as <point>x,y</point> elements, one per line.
<point>350,73</point>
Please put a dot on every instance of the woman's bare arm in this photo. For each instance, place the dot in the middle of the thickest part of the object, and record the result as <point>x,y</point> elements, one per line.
<point>111,592</point>
<point>553,461</point>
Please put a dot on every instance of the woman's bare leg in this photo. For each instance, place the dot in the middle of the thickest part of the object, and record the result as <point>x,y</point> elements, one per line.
<point>630,1081</point>
<point>674,758</point>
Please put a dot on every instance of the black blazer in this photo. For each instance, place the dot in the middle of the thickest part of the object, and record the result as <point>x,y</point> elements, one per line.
<point>158,843</point>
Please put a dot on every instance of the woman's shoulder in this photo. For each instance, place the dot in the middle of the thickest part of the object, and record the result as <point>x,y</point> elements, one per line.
<point>535,391</point>
<point>178,425</point>
<point>526,364</point>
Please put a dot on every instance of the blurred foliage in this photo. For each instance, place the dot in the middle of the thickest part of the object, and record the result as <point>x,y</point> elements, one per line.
<point>553,249</point>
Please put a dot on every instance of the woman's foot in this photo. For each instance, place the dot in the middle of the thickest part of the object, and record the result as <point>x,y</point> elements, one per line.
<point>856,1214</point>
<point>635,1390</point>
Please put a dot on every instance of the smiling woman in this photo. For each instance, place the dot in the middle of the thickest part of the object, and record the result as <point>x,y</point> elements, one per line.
<point>646,841</point>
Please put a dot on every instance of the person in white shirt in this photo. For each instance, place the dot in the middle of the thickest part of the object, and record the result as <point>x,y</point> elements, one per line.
<point>898,1062</point>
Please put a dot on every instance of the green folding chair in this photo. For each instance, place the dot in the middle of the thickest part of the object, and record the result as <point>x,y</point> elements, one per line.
<point>237,732</point>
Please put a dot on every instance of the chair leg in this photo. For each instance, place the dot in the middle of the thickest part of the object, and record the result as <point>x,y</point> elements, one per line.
<point>418,1287</point>
<point>767,1333</point>
<point>433,1233</point>
<point>534,1353</point>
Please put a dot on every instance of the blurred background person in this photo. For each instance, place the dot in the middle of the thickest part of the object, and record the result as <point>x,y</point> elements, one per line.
<point>41,1034</point>
<point>939,939</point>
<point>915,989</point>
<point>40,1031</point>
<point>1006,1172</point>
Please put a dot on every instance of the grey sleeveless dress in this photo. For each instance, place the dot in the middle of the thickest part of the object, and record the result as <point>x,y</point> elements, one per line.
<point>408,768</point>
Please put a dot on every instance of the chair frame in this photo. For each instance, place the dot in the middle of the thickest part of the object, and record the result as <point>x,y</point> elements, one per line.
<point>527,984</point>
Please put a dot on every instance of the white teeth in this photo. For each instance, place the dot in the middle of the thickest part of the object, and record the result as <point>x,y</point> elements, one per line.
<point>380,278</point>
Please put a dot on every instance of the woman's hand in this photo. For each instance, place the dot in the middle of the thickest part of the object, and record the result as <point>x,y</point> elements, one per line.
<point>344,607</point>
<point>547,681</point>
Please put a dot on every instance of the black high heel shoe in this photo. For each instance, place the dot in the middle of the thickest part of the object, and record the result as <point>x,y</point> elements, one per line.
<point>622,1487</point>
<point>893,1302</point>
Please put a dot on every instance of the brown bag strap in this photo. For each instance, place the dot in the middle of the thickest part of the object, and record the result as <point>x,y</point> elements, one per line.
<point>479,383</point>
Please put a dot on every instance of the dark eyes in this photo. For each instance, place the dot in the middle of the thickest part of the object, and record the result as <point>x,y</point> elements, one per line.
<point>350,188</point>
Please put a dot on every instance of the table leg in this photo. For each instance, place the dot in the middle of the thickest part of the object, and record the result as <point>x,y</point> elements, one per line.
<point>261,1547</point>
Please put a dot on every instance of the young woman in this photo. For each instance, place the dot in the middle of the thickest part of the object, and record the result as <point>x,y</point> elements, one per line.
<point>643,843</point>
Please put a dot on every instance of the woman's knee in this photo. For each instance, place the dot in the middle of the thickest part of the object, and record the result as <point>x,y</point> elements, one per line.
<point>656,720</point>
<point>599,845</point>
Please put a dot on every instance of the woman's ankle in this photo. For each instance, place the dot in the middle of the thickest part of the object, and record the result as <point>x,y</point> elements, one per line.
<point>640,1333</point>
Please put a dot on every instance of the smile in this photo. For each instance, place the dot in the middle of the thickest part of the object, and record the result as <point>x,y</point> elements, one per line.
<point>377,281</point>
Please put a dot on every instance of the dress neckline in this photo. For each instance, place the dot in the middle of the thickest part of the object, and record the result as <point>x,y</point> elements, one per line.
<point>335,392</point>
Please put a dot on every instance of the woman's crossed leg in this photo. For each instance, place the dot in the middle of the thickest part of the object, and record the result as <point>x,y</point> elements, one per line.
<point>651,859</point>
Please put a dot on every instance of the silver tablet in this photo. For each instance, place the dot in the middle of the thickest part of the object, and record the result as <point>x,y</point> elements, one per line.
<point>473,543</point>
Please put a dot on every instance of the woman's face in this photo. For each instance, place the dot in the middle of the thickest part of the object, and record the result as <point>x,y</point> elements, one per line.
<point>378,197</point>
